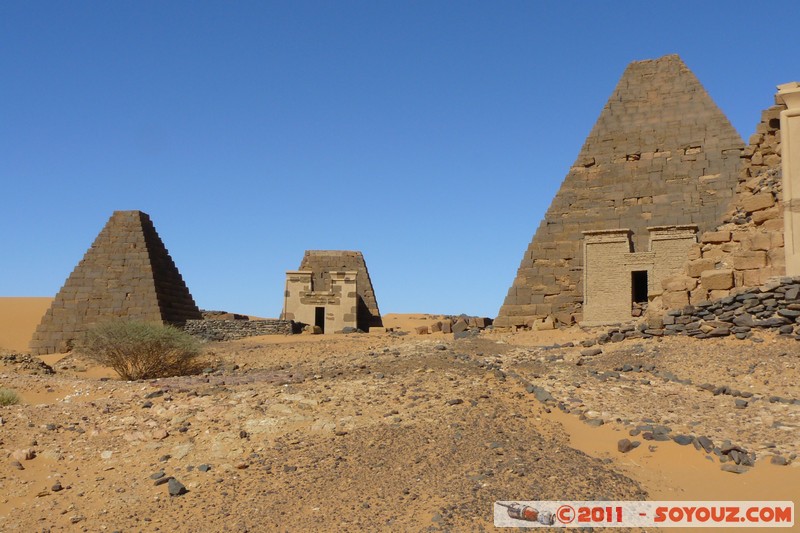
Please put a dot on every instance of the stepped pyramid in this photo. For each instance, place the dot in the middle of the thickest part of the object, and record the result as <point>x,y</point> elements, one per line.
<point>127,273</point>
<point>661,153</point>
<point>322,262</point>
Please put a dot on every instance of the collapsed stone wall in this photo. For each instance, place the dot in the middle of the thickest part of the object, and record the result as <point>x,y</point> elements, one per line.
<point>772,306</point>
<point>747,249</point>
<point>228,330</point>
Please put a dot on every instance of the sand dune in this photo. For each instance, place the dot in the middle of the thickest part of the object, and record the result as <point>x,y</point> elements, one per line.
<point>19,317</point>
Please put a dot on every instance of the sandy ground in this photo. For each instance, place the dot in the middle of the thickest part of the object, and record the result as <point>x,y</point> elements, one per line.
<point>18,320</point>
<point>395,432</point>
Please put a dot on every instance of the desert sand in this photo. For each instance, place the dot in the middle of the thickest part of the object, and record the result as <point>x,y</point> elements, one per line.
<point>18,320</point>
<point>392,431</point>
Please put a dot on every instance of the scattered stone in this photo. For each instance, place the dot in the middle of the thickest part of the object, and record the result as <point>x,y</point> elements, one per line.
<point>176,488</point>
<point>204,467</point>
<point>589,352</point>
<point>683,440</point>
<point>25,454</point>
<point>779,460</point>
<point>740,404</point>
<point>17,465</point>
<point>57,487</point>
<point>734,469</point>
<point>455,401</point>
<point>625,445</point>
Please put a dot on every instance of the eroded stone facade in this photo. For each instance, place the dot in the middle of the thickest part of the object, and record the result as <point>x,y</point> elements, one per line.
<point>332,290</point>
<point>616,276</point>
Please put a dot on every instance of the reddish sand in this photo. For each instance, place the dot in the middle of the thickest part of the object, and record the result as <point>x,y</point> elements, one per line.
<point>18,320</point>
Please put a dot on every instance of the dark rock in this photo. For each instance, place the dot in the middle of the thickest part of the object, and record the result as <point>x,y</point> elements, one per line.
<point>779,460</point>
<point>157,475</point>
<point>162,480</point>
<point>683,440</point>
<point>57,487</point>
<point>740,404</point>
<point>204,468</point>
<point>591,351</point>
<point>624,445</point>
<point>735,469</point>
<point>455,401</point>
<point>176,488</point>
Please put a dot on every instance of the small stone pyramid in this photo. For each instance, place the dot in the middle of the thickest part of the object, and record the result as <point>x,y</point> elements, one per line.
<point>127,273</point>
<point>662,153</point>
<point>321,262</point>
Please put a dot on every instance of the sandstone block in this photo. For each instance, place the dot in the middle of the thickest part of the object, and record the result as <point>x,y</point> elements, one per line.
<point>760,217</point>
<point>715,237</point>
<point>675,300</point>
<point>696,267</point>
<point>717,279</point>
<point>698,295</point>
<point>749,260</point>
<point>436,327</point>
<point>760,241</point>
<point>678,283</point>
<point>757,202</point>
<point>447,327</point>
<point>546,323</point>
<point>421,330</point>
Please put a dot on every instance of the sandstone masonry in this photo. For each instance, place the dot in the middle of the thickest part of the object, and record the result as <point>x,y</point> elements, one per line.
<point>661,154</point>
<point>331,290</point>
<point>127,273</point>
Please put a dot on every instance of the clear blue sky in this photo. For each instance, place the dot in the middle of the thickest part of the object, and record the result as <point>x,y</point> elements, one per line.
<point>430,135</point>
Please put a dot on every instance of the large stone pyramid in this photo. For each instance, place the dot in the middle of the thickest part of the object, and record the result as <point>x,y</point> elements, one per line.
<point>127,273</point>
<point>321,262</point>
<point>661,153</point>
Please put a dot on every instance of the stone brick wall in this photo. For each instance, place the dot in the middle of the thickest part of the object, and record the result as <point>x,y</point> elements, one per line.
<point>662,153</point>
<point>746,250</point>
<point>228,330</point>
<point>323,262</point>
<point>126,273</point>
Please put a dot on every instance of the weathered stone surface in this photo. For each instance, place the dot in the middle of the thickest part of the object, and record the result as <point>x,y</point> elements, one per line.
<point>716,236</point>
<point>749,260</point>
<point>717,279</point>
<point>757,202</point>
<point>698,266</point>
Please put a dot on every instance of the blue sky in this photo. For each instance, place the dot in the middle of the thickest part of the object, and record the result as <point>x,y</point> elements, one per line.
<point>429,135</point>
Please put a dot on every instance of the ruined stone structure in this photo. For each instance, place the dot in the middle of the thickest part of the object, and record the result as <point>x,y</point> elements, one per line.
<point>331,290</point>
<point>746,249</point>
<point>615,275</point>
<point>127,273</point>
<point>662,154</point>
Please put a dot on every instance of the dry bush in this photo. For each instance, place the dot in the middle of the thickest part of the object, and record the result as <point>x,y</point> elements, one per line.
<point>8,397</point>
<point>141,350</point>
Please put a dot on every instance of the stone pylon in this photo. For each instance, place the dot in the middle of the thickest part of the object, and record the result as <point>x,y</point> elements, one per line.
<point>127,273</point>
<point>662,153</point>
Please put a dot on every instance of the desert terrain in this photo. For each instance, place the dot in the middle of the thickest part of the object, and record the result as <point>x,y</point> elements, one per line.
<point>394,431</point>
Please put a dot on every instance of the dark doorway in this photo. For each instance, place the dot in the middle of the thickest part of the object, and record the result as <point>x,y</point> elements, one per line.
<point>319,318</point>
<point>639,286</point>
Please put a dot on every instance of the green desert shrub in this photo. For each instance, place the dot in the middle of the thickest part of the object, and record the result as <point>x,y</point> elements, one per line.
<point>141,350</point>
<point>8,397</point>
